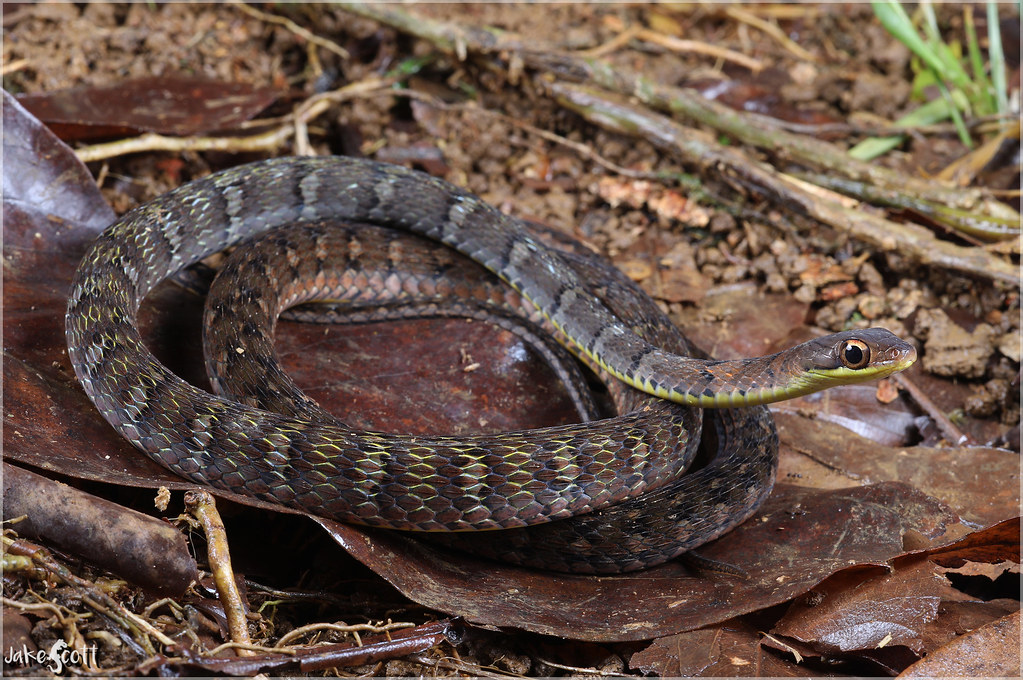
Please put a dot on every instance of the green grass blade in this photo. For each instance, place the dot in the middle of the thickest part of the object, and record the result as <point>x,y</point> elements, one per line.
<point>988,102</point>
<point>996,55</point>
<point>955,103</point>
<point>932,112</point>
<point>894,18</point>
<point>952,67</point>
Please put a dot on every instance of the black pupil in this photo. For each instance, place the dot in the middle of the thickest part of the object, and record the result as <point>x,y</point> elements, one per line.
<point>853,355</point>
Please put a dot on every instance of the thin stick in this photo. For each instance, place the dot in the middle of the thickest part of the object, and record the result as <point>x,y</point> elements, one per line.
<point>948,430</point>
<point>263,141</point>
<point>13,66</point>
<point>342,628</point>
<point>152,141</point>
<point>291,26</point>
<point>771,30</point>
<point>675,45</point>
<point>678,45</point>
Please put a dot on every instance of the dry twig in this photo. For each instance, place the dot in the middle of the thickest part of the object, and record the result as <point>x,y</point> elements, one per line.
<point>674,44</point>
<point>749,128</point>
<point>134,630</point>
<point>204,508</point>
<point>342,628</point>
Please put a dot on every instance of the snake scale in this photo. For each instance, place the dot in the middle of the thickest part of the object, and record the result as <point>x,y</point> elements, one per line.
<point>443,484</point>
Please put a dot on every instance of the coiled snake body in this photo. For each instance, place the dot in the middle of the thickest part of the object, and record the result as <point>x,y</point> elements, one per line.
<point>501,481</point>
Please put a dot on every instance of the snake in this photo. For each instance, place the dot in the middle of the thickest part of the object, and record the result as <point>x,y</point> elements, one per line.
<point>508,480</point>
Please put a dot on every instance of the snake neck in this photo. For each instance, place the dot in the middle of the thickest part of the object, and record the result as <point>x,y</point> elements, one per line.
<point>719,384</point>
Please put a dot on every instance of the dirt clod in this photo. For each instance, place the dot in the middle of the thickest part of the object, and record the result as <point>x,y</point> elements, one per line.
<point>951,350</point>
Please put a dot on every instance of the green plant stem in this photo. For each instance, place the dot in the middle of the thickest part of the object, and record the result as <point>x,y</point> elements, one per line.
<point>984,228</point>
<point>694,146</point>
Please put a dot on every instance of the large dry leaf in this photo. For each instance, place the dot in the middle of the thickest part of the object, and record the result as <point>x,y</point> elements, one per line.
<point>801,536</point>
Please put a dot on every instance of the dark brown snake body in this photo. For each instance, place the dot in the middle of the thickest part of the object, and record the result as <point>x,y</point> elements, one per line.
<point>506,480</point>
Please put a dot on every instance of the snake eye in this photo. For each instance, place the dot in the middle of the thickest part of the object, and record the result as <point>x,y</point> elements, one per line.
<point>855,354</point>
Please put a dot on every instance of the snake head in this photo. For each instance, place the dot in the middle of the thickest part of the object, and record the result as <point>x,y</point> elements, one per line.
<point>857,356</point>
<point>838,359</point>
